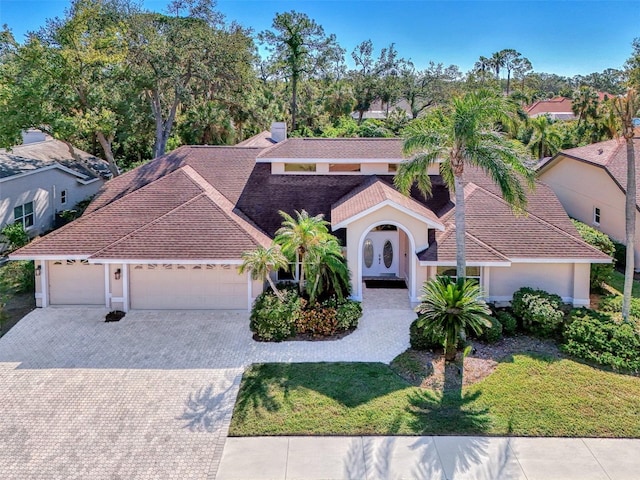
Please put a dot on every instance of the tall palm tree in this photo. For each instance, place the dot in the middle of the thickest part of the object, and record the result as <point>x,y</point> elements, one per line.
<point>299,235</point>
<point>261,262</point>
<point>465,134</point>
<point>327,270</point>
<point>626,108</point>
<point>545,141</point>
<point>453,307</point>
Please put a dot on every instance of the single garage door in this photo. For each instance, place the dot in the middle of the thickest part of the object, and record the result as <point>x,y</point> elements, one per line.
<point>187,287</point>
<point>76,282</point>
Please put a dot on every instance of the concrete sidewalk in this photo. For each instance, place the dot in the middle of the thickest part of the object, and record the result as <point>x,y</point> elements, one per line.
<point>386,458</point>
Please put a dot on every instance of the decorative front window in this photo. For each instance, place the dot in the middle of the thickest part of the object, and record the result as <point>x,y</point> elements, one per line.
<point>596,216</point>
<point>472,272</point>
<point>387,254</point>
<point>367,252</point>
<point>24,214</point>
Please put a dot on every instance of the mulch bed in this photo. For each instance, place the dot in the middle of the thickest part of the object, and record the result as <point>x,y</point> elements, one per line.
<point>308,337</point>
<point>481,363</point>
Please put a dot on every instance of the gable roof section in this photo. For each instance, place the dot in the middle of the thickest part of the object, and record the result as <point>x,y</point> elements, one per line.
<point>179,216</point>
<point>373,194</point>
<point>610,155</point>
<point>335,148</point>
<point>444,250</point>
<point>262,140</point>
<point>24,159</point>
<point>552,105</point>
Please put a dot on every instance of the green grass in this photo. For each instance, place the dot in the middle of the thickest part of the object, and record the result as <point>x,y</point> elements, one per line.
<point>616,282</point>
<point>526,396</point>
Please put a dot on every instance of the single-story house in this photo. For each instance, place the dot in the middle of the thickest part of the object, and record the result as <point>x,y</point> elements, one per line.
<point>170,234</point>
<point>41,177</point>
<point>591,181</point>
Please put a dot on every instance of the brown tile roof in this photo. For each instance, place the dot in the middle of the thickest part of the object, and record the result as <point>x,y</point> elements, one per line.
<point>553,105</point>
<point>610,155</point>
<point>329,148</point>
<point>444,249</point>
<point>217,202</point>
<point>373,192</point>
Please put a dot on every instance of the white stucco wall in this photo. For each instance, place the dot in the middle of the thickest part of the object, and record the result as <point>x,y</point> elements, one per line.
<point>580,187</point>
<point>569,280</point>
<point>43,188</point>
<point>357,230</point>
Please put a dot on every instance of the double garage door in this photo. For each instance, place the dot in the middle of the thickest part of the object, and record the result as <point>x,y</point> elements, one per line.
<point>152,287</point>
<point>187,287</point>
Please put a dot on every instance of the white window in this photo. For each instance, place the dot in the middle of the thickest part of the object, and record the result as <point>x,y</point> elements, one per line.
<point>63,197</point>
<point>299,167</point>
<point>472,272</point>
<point>596,216</point>
<point>24,214</point>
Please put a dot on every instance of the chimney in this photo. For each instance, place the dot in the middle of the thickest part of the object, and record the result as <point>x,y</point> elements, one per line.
<point>278,131</point>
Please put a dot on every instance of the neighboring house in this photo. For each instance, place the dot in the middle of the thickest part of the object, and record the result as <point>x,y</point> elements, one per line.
<point>170,234</point>
<point>41,178</point>
<point>591,181</point>
<point>378,110</point>
<point>557,108</point>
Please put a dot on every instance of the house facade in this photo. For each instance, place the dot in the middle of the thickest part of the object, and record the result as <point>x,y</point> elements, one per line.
<point>41,177</point>
<point>590,182</point>
<point>170,234</point>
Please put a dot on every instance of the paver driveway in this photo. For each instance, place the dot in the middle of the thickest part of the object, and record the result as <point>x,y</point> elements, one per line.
<point>150,396</point>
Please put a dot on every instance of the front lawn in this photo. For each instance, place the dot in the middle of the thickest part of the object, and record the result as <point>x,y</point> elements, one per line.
<point>525,396</point>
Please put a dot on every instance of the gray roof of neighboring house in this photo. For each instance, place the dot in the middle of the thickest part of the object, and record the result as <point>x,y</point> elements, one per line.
<point>33,156</point>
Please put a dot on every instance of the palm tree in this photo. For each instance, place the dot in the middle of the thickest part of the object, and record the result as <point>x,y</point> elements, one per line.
<point>626,108</point>
<point>465,135</point>
<point>545,141</point>
<point>299,235</point>
<point>327,270</point>
<point>453,307</point>
<point>585,103</point>
<point>261,262</point>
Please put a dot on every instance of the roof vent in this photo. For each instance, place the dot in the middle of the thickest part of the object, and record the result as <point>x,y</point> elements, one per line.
<point>278,131</point>
<point>600,150</point>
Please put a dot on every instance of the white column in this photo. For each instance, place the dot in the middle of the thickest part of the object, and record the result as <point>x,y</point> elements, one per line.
<point>107,289</point>
<point>125,287</point>
<point>44,283</point>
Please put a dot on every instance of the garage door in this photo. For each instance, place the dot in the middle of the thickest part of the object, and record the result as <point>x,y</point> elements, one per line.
<point>187,287</point>
<point>76,282</point>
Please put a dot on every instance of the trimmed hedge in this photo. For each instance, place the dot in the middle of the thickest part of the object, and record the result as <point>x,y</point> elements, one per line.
<point>600,272</point>
<point>421,338</point>
<point>613,304</point>
<point>492,334</point>
<point>598,337</point>
<point>541,312</point>
<point>508,321</point>
<point>273,320</point>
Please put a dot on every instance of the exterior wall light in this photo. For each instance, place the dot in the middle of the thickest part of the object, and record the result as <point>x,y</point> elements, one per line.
<point>117,274</point>
<point>38,270</point>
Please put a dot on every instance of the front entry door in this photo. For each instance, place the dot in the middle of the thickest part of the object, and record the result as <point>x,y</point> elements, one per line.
<point>380,256</point>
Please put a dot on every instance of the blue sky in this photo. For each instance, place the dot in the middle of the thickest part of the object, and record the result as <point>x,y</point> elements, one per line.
<point>564,37</point>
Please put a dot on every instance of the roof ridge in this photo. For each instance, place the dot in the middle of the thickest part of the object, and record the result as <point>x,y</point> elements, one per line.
<point>226,206</point>
<point>272,147</point>
<point>543,221</point>
<point>485,245</point>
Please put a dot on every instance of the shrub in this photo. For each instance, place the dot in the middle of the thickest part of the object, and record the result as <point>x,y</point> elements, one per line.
<point>508,322</point>
<point>600,272</point>
<point>348,314</point>
<point>492,334</point>
<point>319,319</point>
<point>613,304</point>
<point>597,337</point>
<point>540,311</point>
<point>422,339</point>
<point>620,254</point>
<point>18,276</point>
<point>15,235</point>
<point>274,320</point>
